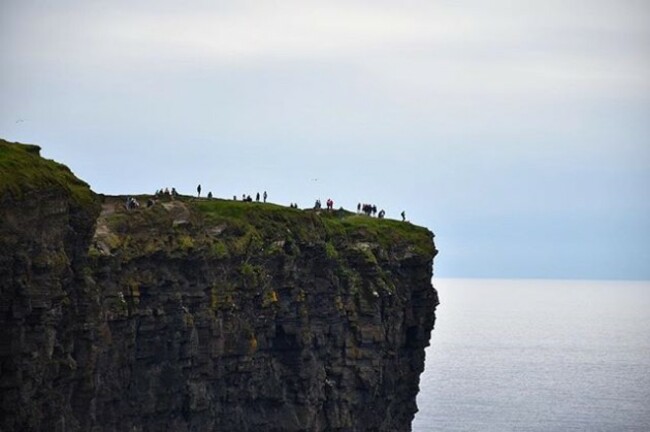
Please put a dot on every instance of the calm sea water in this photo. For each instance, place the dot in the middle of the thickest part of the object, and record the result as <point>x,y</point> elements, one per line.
<point>531,355</point>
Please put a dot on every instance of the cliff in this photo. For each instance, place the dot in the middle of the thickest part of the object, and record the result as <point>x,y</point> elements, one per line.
<point>203,315</point>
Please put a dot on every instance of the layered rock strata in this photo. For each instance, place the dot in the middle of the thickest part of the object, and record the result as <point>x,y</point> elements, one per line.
<point>203,315</point>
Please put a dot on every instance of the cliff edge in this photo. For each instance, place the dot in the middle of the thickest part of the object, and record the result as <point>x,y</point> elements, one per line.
<point>203,315</point>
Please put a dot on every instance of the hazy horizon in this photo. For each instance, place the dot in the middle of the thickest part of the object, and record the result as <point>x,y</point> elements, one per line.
<point>518,133</point>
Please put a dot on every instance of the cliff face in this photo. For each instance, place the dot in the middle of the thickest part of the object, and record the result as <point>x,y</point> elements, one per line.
<point>197,315</point>
<point>46,224</point>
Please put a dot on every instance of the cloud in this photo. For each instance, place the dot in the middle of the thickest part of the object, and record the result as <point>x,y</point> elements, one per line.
<point>287,31</point>
<point>500,51</point>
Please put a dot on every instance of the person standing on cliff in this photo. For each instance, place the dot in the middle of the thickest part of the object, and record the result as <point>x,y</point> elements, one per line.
<point>403,216</point>
<point>265,195</point>
<point>198,190</point>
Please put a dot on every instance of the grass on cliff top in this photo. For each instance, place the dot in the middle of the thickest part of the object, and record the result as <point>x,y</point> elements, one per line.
<point>387,232</point>
<point>272,219</point>
<point>22,169</point>
<point>267,219</point>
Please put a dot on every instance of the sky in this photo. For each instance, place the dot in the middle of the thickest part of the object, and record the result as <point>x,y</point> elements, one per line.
<point>517,131</point>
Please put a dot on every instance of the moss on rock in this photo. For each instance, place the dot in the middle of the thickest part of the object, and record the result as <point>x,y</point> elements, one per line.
<point>22,170</point>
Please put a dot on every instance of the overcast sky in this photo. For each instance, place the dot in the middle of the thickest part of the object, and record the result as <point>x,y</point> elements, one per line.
<point>517,131</point>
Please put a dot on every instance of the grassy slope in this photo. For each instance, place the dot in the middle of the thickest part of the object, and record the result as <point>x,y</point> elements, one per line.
<point>270,219</point>
<point>22,169</point>
<point>236,228</point>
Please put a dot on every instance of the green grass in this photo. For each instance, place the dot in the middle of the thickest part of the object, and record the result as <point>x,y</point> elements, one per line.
<point>260,220</point>
<point>249,228</point>
<point>271,221</point>
<point>23,170</point>
<point>388,233</point>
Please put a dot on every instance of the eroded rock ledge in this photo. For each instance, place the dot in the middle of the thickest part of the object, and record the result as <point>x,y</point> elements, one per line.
<point>203,315</point>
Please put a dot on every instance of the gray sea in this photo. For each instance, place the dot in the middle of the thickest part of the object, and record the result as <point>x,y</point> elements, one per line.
<point>538,355</point>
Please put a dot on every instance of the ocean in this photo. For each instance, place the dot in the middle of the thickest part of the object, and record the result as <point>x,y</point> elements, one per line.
<point>537,355</point>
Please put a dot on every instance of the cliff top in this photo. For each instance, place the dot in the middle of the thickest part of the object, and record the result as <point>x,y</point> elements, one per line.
<point>183,224</point>
<point>22,169</point>
<point>217,227</point>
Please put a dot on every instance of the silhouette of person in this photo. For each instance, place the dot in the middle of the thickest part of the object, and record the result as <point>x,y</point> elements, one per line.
<point>198,190</point>
<point>403,216</point>
<point>265,195</point>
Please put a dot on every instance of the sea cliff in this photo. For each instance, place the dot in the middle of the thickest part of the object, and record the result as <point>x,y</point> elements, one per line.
<point>203,315</point>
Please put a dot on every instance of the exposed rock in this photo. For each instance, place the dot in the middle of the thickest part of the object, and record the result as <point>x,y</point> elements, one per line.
<point>197,315</point>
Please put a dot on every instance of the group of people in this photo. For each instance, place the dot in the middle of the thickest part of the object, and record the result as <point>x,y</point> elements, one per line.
<point>132,203</point>
<point>198,192</point>
<point>248,198</point>
<point>245,198</point>
<point>317,205</point>
<point>166,192</point>
<point>371,210</point>
<point>368,209</point>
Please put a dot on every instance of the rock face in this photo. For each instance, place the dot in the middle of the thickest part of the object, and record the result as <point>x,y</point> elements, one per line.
<point>203,315</point>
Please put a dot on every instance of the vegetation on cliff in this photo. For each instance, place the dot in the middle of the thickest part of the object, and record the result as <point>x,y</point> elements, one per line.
<point>203,314</point>
<point>235,228</point>
<point>240,225</point>
<point>23,170</point>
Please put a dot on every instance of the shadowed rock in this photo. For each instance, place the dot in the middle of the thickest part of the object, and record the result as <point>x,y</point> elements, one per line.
<point>199,315</point>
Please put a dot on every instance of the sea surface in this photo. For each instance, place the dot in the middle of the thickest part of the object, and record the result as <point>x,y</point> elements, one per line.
<point>538,355</point>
